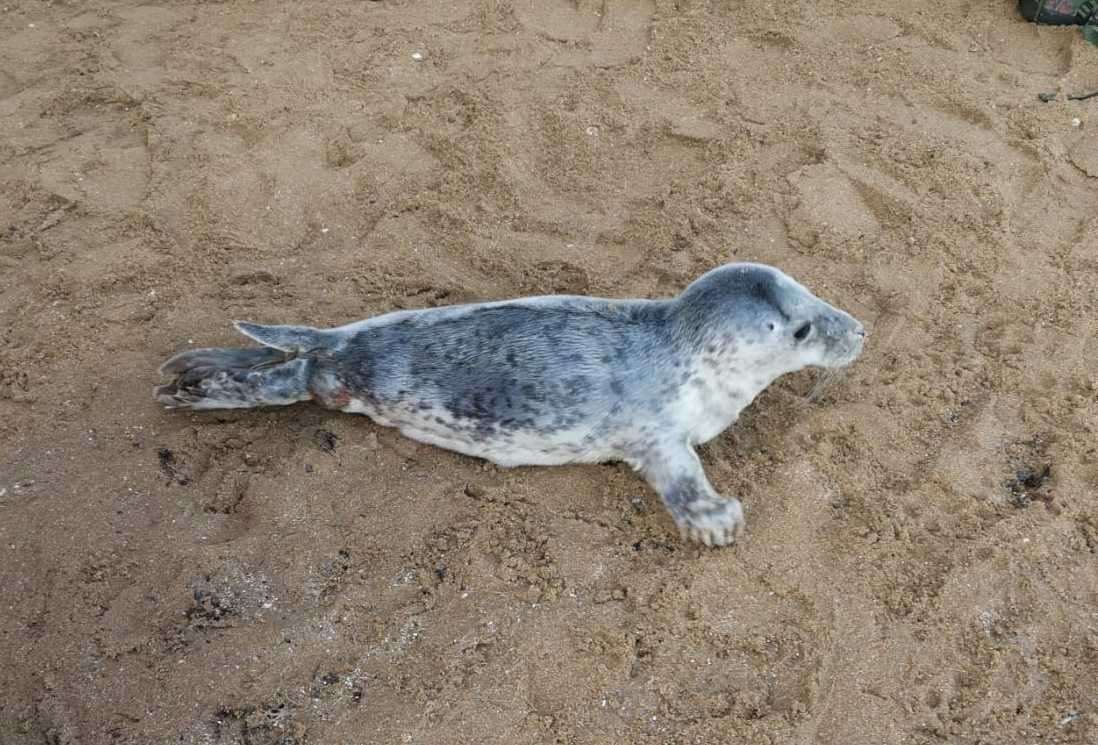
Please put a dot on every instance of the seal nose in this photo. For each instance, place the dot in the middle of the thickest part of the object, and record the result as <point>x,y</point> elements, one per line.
<point>841,326</point>
<point>845,337</point>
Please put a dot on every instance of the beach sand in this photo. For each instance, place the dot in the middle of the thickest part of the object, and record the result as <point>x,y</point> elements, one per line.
<point>920,560</point>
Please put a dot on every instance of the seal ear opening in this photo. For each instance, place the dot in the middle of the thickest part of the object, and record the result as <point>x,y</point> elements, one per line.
<point>292,339</point>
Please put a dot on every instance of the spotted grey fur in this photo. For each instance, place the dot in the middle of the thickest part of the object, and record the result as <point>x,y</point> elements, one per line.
<point>551,380</point>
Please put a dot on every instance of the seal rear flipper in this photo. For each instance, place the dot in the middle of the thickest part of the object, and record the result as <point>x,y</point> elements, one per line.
<point>299,339</point>
<point>234,379</point>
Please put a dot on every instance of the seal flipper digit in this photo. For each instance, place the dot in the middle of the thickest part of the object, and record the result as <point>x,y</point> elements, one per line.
<point>673,470</point>
<point>234,358</point>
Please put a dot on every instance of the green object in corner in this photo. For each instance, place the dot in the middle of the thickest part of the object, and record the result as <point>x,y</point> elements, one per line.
<point>1059,12</point>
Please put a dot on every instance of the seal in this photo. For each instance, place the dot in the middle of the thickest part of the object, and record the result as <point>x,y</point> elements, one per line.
<point>551,380</point>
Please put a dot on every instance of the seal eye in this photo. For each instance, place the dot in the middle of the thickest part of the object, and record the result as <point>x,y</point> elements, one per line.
<point>803,331</point>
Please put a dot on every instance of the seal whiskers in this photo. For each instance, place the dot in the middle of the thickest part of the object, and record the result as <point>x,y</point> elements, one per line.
<point>824,380</point>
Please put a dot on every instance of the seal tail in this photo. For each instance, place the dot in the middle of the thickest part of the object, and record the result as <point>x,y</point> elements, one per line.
<point>276,375</point>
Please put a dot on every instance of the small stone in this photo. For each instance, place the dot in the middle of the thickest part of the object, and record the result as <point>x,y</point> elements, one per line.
<point>417,56</point>
<point>1076,122</point>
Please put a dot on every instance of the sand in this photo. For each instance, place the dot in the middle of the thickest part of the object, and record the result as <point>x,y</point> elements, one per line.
<point>920,564</point>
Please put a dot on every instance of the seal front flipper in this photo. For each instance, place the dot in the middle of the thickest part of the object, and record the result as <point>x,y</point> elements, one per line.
<point>276,375</point>
<point>702,515</point>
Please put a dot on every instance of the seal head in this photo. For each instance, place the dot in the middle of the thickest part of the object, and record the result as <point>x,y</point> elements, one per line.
<point>774,322</point>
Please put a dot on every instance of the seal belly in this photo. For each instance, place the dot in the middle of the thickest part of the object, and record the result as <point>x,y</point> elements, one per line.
<point>508,447</point>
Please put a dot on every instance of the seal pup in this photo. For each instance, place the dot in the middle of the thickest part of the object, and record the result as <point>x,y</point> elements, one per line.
<point>551,380</point>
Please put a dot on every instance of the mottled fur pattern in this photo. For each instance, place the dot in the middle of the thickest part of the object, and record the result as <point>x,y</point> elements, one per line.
<point>551,380</point>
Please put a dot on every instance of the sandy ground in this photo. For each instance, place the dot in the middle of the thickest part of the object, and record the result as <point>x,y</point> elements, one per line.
<point>912,573</point>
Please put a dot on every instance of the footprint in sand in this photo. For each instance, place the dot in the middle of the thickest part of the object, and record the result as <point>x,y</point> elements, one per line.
<point>609,33</point>
<point>829,202</point>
